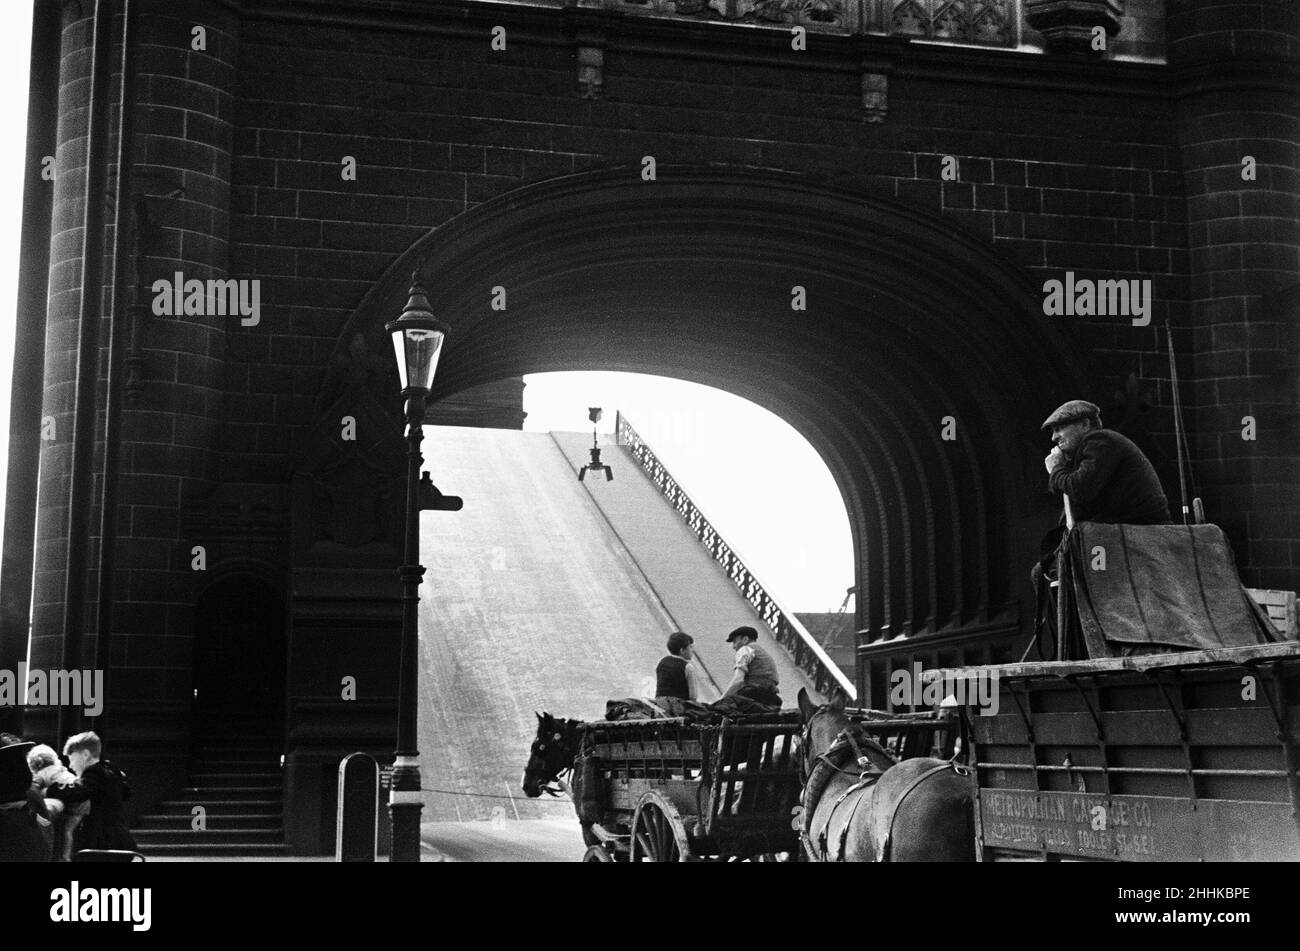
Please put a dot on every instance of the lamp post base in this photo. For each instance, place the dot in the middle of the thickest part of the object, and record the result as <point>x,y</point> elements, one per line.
<point>404,822</point>
<point>404,807</point>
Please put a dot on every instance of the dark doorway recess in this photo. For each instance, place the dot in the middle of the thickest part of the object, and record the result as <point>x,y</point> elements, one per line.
<point>239,659</point>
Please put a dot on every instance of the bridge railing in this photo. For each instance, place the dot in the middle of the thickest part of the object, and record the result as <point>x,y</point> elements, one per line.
<point>785,627</point>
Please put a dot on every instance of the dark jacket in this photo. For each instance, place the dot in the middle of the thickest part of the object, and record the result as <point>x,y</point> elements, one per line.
<point>670,678</point>
<point>1108,479</point>
<point>105,788</point>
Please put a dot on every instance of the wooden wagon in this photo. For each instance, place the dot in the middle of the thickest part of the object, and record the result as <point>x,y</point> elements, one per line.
<point>670,790</point>
<point>1184,756</point>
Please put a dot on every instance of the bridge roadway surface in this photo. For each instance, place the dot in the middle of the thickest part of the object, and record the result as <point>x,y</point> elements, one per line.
<point>546,594</point>
<point>498,840</point>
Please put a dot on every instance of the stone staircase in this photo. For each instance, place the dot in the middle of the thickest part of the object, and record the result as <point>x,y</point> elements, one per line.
<point>238,784</point>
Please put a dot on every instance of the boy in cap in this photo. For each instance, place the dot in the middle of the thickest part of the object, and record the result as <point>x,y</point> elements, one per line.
<point>754,676</point>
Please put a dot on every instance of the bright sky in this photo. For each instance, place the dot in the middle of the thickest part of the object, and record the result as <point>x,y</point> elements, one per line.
<point>732,457</point>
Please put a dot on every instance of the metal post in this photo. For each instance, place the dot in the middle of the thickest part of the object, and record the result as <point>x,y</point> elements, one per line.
<point>404,803</point>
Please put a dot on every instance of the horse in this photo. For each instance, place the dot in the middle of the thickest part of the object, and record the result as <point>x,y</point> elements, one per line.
<point>551,756</point>
<point>859,804</point>
<point>550,759</point>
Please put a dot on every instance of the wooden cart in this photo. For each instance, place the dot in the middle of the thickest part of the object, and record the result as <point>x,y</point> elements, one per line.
<point>1193,756</point>
<point>669,790</point>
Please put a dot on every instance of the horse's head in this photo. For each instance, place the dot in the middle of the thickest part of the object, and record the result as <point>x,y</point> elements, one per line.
<point>824,725</point>
<point>552,753</point>
<point>821,725</point>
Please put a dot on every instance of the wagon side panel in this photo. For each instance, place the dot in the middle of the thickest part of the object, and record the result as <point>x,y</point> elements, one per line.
<point>1193,762</point>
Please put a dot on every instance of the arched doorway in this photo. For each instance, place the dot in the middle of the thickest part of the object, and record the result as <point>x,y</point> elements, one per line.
<point>239,658</point>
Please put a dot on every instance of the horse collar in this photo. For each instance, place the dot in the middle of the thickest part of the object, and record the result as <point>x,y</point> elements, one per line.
<point>864,761</point>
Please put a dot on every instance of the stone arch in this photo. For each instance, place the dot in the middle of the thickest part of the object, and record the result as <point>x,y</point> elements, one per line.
<point>908,320</point>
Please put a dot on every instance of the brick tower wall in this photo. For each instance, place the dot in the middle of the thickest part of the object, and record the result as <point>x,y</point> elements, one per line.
<point>170,437</point>
<point>1244,237</point>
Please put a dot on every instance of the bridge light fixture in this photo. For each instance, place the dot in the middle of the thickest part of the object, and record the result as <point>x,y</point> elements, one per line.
<point>417,340</point>
<point>594,413</point>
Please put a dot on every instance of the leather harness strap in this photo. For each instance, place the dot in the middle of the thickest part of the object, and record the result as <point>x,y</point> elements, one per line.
<point>867,775</point>
<point>861,786</point>
<point>816,784</point>
<point>907,791</point>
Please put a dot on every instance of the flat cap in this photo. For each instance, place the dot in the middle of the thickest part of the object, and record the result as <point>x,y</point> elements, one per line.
<point>1069,412</point>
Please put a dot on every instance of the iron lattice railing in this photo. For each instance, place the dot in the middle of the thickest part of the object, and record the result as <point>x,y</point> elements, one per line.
<point>792,635</point>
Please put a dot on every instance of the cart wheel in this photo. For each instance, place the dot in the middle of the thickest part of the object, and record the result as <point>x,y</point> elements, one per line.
<point>597,853</point>
<point>658,834</point>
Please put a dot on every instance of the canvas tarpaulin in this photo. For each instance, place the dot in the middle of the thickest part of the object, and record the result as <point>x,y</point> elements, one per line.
<point>1161,586</point>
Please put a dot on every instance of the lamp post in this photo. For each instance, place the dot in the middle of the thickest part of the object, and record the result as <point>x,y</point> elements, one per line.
<point>417,341</point>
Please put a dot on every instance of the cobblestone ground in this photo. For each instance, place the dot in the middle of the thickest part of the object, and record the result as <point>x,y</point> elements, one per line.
<point>527,840</point>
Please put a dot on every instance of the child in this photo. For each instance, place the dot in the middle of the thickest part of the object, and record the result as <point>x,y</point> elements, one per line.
<point>48,772</point>
<point>104,788</point>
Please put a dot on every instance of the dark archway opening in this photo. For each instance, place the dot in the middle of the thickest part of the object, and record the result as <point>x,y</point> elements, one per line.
<point>919,366</point>
<point>239,659</point>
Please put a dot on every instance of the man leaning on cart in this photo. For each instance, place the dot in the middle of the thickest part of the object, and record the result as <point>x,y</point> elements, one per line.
<point>1102,475</point>
<point>1105,476</point>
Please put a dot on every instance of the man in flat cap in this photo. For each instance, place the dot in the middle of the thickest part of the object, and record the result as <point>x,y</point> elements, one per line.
<point>1106,476</point>
<point>754,676</point>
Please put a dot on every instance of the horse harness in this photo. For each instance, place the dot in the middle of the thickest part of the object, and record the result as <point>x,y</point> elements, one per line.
<point>867,779</point>
<point>819,778</point>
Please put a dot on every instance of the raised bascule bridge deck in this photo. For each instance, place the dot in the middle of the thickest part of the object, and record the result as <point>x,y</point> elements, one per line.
<point>546,593</point>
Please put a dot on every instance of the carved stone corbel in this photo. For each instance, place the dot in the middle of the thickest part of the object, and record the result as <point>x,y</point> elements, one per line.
<point>585,28</point>
<point>875,96</point>
<point>876,61</point>
<point>591,67</point>
<point>1067,25</point>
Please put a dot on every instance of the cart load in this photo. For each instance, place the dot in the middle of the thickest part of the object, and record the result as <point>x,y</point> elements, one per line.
<point>1132,589</point>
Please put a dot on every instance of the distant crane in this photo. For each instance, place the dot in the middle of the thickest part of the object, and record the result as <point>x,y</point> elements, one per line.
<point>837,626</point>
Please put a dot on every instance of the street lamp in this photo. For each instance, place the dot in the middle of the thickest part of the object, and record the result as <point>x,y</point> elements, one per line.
<point>417,341</point>
<point>594,413</point>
